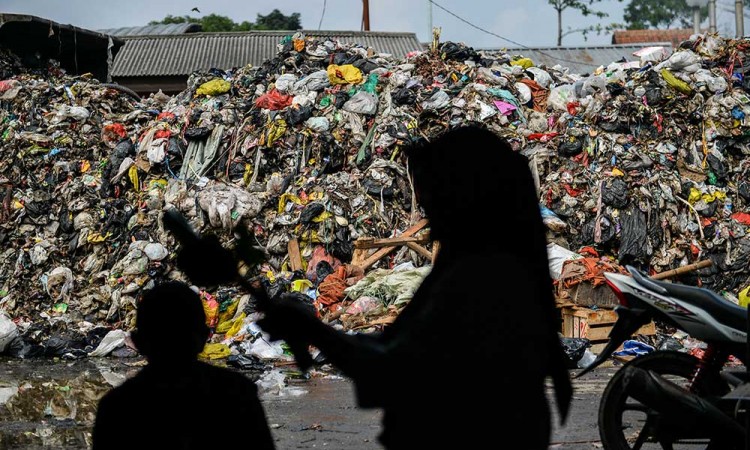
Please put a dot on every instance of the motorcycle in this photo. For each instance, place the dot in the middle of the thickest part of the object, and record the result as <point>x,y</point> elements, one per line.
<point>667,397</point>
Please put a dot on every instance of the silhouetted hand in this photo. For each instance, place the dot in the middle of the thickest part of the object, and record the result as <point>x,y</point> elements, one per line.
<point>288,319</point>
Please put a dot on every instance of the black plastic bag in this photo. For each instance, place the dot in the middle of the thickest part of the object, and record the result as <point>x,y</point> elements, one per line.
<point>744,190</point>
<point>310,212</point>
<point>570,146</point>
<point>615,193</point>
<point>404,96</point>
<point>633,236</point>
<point>452,51</point>
<point>717,167</point>
<point>574,349</point>
<point>589,230</point>
<point>322,270</point>
<point>365,65</point>
<point>197,133</point>
<point>299,114</point>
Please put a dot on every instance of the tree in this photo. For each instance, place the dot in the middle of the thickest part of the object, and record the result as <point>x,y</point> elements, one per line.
<point>642,14</point>
<point>275,20</point>
<point>584,7</point>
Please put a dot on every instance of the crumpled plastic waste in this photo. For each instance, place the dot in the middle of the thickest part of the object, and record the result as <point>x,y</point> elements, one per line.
<point>634,348</point>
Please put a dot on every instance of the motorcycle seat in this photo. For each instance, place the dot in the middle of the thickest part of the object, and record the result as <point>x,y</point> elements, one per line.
<point>724,311</point>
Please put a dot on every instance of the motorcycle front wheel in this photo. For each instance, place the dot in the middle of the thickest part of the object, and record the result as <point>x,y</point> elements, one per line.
<point>626,424</point>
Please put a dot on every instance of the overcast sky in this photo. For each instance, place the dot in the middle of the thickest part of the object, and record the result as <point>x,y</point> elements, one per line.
<point>529,22</point>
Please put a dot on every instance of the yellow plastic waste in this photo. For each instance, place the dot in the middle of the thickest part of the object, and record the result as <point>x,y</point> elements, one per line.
<point>214,87</point>
<point>617,172</point>
<point>286,198</point>
<point>133,175</point>
<point>344,74</point>
<point>744,297</point>
<point>322,216</point>
<point>215,351</point>
<point>227,325</point>
<point>228,313</point>
<point>276,130</point>
<point>675,82</point>
<point>718,195</point>
<point>301,285</point>
<point>85,166</point>
<point>236,326</point>
<point>97,238</point>
<point>523,62</point>
<point>248,175</point>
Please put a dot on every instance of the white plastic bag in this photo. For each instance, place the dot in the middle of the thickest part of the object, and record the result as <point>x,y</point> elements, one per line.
<point>560,96</point>
<point>8,331</point>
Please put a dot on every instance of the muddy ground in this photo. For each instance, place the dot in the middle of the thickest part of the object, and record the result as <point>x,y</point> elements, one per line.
<point>52,404</point>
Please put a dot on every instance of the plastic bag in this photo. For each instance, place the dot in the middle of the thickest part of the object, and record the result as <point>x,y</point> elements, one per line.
<point>8,331</point>
<point>633,236</point>
<point>344,74</point>
<point>273,100</point>
<point>676,82</point>
<point>112,341</point>
<point>453,51</point>
<point>556,256</point>
<point>404,96</point>
<point>215,351</point>
<point>10,89</point>
<point>524,93</point>
<point>216,86</point>
<point>316,81</point>
<point>298,114</point>
<point>560,96</point>
<point>551,220</point>
<point>439,100</point>
<point>362,103</point>
<point>363,304</point>
<point>540,76</point>
<point>634,348</point>
<point>574,349</point>
<point>570,146</point>
<point>64,112</point>
<point>285,82</point>
<point>319,124</point>
<point>615,193</point>
<point>523,62</point>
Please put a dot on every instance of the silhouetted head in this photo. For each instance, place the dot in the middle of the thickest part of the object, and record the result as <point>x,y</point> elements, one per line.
<point>170,324</point>
<point>467,177</point>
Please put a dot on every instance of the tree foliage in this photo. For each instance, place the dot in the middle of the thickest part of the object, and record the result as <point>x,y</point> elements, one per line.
<point>642,14</point>
<point>275,20</point>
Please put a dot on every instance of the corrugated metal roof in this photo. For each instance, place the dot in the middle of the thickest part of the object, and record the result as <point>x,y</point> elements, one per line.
<point>154,30</point>
<point>581,60</point>
<point>183,54</point>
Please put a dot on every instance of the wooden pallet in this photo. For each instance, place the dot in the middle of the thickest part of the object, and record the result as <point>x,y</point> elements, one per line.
<point>595,325</point>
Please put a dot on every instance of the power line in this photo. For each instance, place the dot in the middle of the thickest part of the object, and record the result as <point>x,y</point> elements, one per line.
<point>322,14</point>
<point>506,39</point>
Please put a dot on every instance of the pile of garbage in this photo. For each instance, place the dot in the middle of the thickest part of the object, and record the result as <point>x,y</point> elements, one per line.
<point>640,162</point>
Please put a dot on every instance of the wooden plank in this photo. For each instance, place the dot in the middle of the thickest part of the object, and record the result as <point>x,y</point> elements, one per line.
<point>358,256</point>
<point>375,257</point>
<point>295,259</point>
<point>435,251</point>
<point>419,249</point>
<point>386,242</point>
<point>602,332</point>
<point>684,269</point>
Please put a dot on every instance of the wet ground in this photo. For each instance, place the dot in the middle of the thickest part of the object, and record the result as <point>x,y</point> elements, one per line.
<point>52,404</point>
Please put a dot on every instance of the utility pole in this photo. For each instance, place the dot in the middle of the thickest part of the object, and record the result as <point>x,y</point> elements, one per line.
<point>429,19</point>
<point>366,14</point>
<point>712,16</point>
<point>739,19</point>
